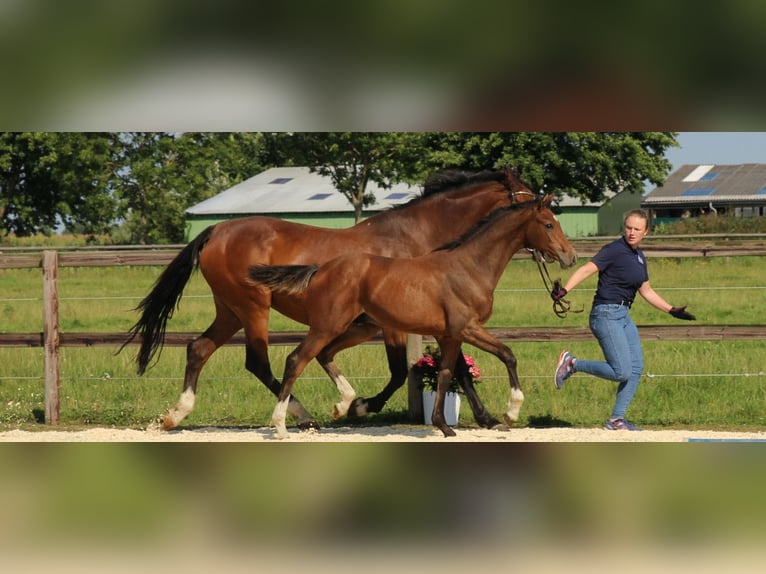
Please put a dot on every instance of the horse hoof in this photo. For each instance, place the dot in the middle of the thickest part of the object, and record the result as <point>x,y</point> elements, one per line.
<point>167,423</point>
<point>489,423</point>
<point>500,427</point>
<point>358,408</point>
<point>155,426</point>
<point>309,426</point>
<point>338,412</point>
<point>448,432</point>
<point>509,421</point>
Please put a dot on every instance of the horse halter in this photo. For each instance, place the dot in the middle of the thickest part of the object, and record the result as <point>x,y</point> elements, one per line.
<point>562,306</point>
<point>522,192</point>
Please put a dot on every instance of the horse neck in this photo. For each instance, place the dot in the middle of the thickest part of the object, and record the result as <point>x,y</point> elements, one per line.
<point>447,215</point>
<point>492,248</point>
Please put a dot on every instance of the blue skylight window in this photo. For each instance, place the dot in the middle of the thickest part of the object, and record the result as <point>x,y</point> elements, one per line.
<point>701,191</point>
<point>281,180</point>
<point>318,196</point>
<point>709,176</point>
<point>397,195</point>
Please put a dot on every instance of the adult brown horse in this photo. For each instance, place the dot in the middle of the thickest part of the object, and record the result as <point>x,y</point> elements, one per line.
<point>447,294</point>
<point>451,202</point>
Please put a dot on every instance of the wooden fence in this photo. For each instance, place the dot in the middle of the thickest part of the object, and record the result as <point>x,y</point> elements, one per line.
<point>51,339</point>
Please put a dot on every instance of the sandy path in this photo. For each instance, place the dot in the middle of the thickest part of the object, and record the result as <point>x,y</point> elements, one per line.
<point>399,433</point>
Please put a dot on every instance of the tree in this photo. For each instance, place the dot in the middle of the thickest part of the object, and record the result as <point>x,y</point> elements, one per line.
<point>86,172</point>
<point>162,174</point>
<point>47,179</point>
<point>354,159</point>
<point>581,164</point>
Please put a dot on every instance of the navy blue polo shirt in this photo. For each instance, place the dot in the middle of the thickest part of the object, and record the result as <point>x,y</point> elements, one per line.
<point>621,271</point>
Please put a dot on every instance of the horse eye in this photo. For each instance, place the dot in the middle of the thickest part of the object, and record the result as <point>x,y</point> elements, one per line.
<point>548,226</point>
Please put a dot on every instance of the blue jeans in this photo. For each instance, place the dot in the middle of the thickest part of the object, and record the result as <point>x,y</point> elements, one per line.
<point>618,336</point>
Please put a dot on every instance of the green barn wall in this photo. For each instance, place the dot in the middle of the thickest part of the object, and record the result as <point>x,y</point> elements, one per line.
<point>579,222</point>
<point>612,213</point>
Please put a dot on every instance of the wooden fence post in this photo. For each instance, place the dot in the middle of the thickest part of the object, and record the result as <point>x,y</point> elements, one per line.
<point>51,336</point>
<point>414,392</point>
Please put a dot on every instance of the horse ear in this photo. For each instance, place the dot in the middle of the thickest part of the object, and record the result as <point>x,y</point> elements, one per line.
<point>512,172</point>
<point>547,200</point>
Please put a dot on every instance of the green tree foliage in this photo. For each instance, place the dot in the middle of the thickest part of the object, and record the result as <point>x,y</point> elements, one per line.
<point>580,164</point>
<point>162,174</point>
<point>49,179</point>
<point>86,173</point>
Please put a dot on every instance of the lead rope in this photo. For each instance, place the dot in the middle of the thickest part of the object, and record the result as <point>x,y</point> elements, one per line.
<point>562,306</point>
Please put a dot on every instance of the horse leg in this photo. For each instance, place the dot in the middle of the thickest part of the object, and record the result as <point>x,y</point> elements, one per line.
<point>396,352</point>
<point>296,361</point>
<point>357,333</point>
<point>197,353</point>
<point>449,351</point>
<point>257,362</point>
<point>479,337</point>
<point>480,413</point>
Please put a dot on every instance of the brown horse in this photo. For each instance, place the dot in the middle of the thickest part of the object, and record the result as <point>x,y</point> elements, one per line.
<point>452,201</point>
<point>447,294</point>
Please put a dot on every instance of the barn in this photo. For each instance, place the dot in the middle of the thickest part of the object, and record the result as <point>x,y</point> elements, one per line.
<point>692,190</point>
<point>581,218</point>
<point>292,194</point>
<point>295,194</point>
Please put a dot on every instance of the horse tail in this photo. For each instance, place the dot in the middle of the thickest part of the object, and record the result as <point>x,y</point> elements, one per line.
<point>290,279</point>
<point>158,306</point>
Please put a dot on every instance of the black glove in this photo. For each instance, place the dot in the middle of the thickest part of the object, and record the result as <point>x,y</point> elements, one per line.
<point>558,292</point>
<point>681,313</point>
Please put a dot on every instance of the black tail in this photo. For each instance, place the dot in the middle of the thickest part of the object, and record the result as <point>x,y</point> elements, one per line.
<point>158,306</point>
<point>290,279</point>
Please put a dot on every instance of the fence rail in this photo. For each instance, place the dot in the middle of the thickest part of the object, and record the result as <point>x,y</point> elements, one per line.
<point>523,334</point>
<point>152,257</point>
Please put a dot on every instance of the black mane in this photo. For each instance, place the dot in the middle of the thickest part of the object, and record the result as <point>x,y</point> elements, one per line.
<point>485,222</point>
<point>452,178</point>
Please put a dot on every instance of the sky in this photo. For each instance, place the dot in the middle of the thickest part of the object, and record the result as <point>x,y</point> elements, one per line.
<point>718,148</point>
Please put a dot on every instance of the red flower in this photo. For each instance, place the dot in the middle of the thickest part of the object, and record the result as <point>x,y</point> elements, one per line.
<point>427,366</point>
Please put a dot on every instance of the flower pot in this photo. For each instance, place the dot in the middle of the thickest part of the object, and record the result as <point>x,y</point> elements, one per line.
<point>451,407</point>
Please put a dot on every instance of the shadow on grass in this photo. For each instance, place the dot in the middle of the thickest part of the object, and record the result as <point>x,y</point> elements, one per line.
<point>547,421</point>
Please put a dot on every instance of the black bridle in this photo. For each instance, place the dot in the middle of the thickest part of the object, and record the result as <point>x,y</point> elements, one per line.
<point>562,306</point>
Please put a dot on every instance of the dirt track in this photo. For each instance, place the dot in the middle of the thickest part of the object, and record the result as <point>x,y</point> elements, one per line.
<point>399,433</point>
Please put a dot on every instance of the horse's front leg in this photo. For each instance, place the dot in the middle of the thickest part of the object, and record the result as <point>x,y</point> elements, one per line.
<point>479,337</point>
<point>296,361</point>
<point>480,413</point>
<point>449,351</point>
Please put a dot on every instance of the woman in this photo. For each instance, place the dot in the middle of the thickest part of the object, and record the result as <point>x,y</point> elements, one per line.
<point>621,268</point>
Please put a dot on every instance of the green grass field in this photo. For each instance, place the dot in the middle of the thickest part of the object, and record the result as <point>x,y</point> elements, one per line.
<point>687,384</point>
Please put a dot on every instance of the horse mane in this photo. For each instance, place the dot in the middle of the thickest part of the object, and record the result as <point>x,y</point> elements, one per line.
<point>484,222</point>
<point>450,180</point>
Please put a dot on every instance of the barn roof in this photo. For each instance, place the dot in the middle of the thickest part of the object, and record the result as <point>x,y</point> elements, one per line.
<point>703,184</point>
<point>295,190</point>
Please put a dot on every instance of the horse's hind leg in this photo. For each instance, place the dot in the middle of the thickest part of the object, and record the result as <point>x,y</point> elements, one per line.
<point>396,352</point>
<point>357,333</point>
<point>197,354</point>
